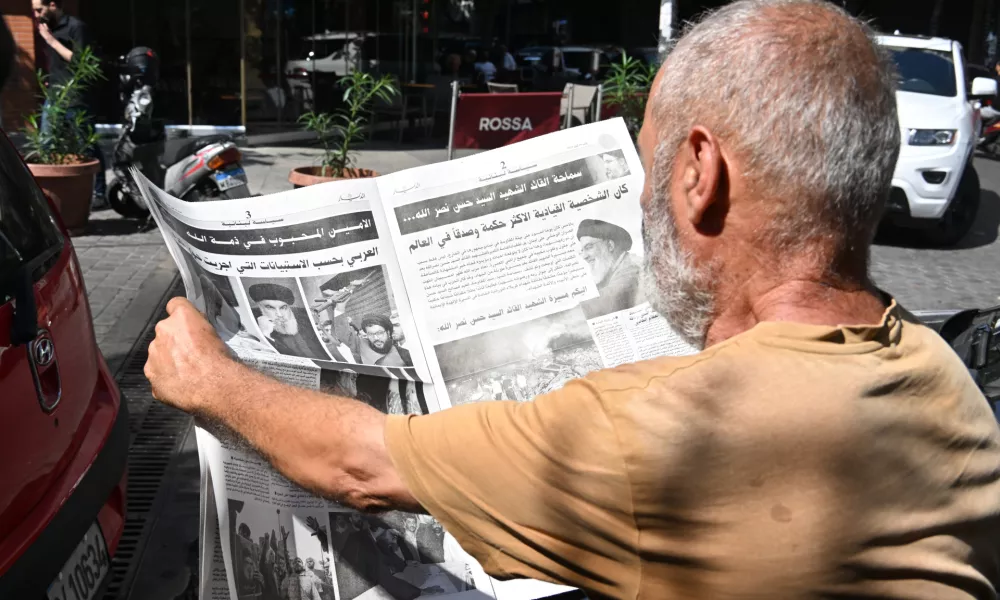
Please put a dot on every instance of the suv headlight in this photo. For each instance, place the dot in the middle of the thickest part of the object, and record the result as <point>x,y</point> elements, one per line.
<point>932,137</point>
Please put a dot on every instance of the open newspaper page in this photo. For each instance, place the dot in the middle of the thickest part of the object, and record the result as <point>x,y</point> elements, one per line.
<point>304,286</point>
<point>522,266</point>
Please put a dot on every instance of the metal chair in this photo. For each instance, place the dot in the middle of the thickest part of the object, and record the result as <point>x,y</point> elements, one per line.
<point>410,103</point>
<point>501,88</point>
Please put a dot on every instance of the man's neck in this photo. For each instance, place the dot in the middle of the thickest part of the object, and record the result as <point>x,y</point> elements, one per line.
<point>811,301</point>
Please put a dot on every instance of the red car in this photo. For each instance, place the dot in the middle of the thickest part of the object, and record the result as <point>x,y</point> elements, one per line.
<point>63,425</point>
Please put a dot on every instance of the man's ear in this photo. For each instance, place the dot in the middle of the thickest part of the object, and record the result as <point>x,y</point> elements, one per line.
<point>703,170</point>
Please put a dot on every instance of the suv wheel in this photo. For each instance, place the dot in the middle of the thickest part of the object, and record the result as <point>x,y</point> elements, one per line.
<point>960,215</point>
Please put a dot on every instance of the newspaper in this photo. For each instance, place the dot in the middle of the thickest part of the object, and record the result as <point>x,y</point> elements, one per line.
<point>497,276</point>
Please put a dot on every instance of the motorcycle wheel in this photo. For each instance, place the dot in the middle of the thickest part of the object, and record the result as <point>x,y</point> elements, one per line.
<point>122,202</point>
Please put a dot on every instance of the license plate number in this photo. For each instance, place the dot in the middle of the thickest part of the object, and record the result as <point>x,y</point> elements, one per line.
<point>86,568</point>
<point>230,179</point>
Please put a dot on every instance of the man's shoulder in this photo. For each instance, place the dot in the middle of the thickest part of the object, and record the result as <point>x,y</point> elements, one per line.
<point>404,354</point>
<point>73,26</point>
<point>627,270</point>
<point>639,375</point>
<point>722,375</point>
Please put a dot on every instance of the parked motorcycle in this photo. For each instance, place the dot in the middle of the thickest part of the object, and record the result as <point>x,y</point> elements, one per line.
<point>195,170</point>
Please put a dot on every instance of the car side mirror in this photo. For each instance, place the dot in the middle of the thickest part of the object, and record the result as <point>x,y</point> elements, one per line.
<point>983,87</point>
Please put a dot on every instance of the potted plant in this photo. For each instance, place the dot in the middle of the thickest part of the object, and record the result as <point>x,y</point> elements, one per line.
<point>59,152</point>
<point>626,89</point>
<point>339,132</point>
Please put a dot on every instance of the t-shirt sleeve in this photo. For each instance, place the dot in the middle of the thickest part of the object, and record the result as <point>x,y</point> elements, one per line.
<point>536,489</point>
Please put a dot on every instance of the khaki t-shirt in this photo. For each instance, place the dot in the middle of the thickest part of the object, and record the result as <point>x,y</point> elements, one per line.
<point>791,461</point>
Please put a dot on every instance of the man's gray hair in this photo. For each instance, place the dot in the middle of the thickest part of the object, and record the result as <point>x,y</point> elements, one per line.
<point>807,102</point>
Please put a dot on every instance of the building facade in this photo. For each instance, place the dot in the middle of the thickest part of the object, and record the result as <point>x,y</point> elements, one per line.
<point>225,62</point>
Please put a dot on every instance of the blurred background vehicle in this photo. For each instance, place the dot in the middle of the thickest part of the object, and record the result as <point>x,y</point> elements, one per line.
<point>935,186</point>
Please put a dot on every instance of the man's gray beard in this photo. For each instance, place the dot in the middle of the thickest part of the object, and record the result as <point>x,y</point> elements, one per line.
<point>599,270</point>
<point>672,284</point>
<point>289,327</point>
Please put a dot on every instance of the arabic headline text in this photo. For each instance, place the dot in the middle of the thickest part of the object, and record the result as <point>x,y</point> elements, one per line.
<point>322,234</point>
<point>492,198</point>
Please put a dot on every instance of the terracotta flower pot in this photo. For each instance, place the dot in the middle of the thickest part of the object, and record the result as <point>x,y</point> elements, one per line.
<point>71,188</point>
<point>303,176</point>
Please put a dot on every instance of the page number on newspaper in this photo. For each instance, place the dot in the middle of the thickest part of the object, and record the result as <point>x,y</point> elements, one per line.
<point>81,576</point>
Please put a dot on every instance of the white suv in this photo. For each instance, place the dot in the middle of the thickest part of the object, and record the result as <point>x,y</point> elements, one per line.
<point>935,187</point>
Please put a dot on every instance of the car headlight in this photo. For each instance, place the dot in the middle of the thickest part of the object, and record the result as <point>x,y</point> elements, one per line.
<point>932,137</point>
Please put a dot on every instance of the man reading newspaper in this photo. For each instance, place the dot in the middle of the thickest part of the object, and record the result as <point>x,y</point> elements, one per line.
<point>823,443</point>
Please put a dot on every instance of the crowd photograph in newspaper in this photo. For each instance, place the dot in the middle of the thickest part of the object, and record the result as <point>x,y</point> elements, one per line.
<point>277,556</point>
<point>357,317</point>
<point>521,361</point>
<point>391,395</point>
<point>395,555</point>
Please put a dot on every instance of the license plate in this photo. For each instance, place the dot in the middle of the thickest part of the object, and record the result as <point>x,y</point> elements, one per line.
<point>86,568</point>
<point>230,179</point>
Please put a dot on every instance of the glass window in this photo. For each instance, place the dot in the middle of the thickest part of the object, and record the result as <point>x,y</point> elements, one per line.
<point>925,71</point>
<point>580,61</point>
<point>28,231</point>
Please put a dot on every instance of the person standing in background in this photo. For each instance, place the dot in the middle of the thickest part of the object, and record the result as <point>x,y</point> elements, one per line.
<point>486,71</point>
<point>65,35</point>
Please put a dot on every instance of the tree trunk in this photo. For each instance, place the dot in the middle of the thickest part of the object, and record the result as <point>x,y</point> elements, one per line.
<point>977,34</point>
<point>936,16</point>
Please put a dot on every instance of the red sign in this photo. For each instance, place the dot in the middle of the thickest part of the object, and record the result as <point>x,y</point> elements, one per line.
<point>494,120</point>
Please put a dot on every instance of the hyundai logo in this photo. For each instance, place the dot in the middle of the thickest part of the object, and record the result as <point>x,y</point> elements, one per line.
<point>45,371</point>
<point>44,351</point>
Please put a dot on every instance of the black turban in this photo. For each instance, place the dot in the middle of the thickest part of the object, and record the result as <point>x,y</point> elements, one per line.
<point>271,291</point>
<point>380,320</point>
<point>605,231</point>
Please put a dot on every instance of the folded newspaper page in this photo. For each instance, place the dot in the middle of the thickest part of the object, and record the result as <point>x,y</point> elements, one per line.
<point>498,276</point>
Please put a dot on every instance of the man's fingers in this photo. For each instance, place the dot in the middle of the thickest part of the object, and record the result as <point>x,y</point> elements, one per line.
<point>179,303</point>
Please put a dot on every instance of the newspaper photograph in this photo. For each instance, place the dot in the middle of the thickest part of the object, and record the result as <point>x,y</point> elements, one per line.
<point>498,276</point>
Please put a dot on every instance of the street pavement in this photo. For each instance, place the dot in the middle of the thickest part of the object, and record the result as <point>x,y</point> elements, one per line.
<point>965,276</point>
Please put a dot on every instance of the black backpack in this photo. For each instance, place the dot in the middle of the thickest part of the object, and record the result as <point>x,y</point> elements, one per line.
<point>975,336</point>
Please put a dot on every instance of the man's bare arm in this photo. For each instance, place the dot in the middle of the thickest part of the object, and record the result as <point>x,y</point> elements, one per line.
<point>51,40</point>
<point>330,445</point>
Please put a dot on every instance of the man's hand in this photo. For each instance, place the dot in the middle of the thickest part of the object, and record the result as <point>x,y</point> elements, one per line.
<point>50,39</point>
<point>266,326</point>
<point>185,357</point>
<point>46,33</point>
<point>326,444</point>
